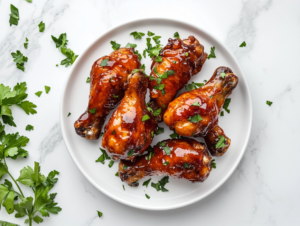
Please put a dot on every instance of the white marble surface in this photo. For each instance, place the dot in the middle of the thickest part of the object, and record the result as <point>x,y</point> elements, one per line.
<point>264,188</point>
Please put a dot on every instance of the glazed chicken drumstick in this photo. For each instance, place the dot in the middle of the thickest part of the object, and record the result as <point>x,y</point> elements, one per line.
<point>180,158</point>
<point>108,76</point>
<point>180,60</point>
<point>130,129</point>
<point>196,113</point>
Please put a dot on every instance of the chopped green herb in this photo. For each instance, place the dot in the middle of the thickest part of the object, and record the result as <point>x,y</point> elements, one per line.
<point>117,174</point>
<point>156,39</point>
<point>154,51</point>
<point>137,52</point>
<point>144,53</point>
<point>221,141</point>
<point>211,96</point>
<point>39,93</point>
<point>20,59</point>
<point>243,44</point>
<point>29,1</point>
<point>99,213</point>
<point>56,65</point>
<point>130,45</point>
<point>149,109</point>
<point>268,103</point>
<point>186,165</point>
<point>114,132</point>
<point>159,130</point>
<point>160,186</point>
<point>167,150</point>
<point>152,133</point>
<point>166,163</point>
<point>158,59</point>
<point>103,157</point>
<point>123,187</point>
<point>212,53</point>
<point>47,89</point>
<point>160,87</point>
<point>69,114</point>
<point>125,167</point>
<point>147,196</point>
<point>222,113</point>
<point>145,117</point>
<point>157,112</point>
<point>195,118</point>
<point>174,61</point>
<point>41,26</point>
<point>115,96</point>
<point>143,67</point>
<point>150,155</point>
<point>104,62</point>
<point>135,71</point>
<point>223,74</point>
<point>150,33</point>
<point>146,182</point>
<point>29,127</point>
<point>176,35</point>
<point>163,106</point>
<point>111,162</point>
<point>192,86</point>
<point>162,144</point>
<point>130,153</point>
<point>196,104</point>
<point>186,54</point>
<point>226,105</point>
<point>93,111</point>
<point>14,16</point>
<point>115,45</point>
<point>174,135</point>
<point>137,35</point>
<point>26,43</point>
<point>88,80</point>
<point>213,164</point>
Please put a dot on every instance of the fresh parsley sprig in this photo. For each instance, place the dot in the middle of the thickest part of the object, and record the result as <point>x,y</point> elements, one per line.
<point>20,59</point>
<point>212,53</point>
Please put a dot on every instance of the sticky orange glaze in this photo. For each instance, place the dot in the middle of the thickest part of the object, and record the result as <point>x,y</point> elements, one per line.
<point>106,90</point>
<point>186,58</point>
<point>125,130</point>
<point>188,159</point>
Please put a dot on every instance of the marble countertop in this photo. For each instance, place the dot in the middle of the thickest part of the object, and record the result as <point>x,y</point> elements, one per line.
<point>261,191</point>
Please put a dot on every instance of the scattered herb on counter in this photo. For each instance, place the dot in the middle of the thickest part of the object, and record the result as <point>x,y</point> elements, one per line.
<point>195,118</point>
<point>115,45</point>
<point>192,86</point>
<point>61,44</point>
<point>93,111</point>
<point>221,141</point>
<point>213,164</point>
<point>41,26</point>
<point>150,33</point>
<point>99,213</point>
<point>20,59</point>
<point>160,186</point>
<point>16,96</point>
<point>269,102</point>
<point>29,127</point>
<point>88,80</point>
<point>14,16</point>
<point>147,196</point>
<point>223,74</point>
<point>226,105</point>
<point>137,35</point>
<point>243,44</point>
<point>69,114</point>
<point>146,183</point>
<point>159,130</point>
<point>212,53</point>
<point>47,89</point>
<point>145,117</point>
<point>176,35</point>
<point>26,43</point>
<point>174,135</point>
<point>196,104</point>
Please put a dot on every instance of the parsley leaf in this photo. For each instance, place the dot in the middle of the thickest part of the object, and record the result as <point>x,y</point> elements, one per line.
<point>14,16</point>
<point>69,114</point>
<point>130,153</point>
<point>195,118</point>
<point>147,196</point>
<point>158,59</point>
<point>29,127</point>
<point>26,43</point>
<point>115,45</point>
<point>268,103</point>
<point>104,62</point>
<point>192,86</point>
<point>103,157</point>
<point>137,52</point>
<point>196,104</point>
<point>223,74</point>
<point>243,44</point>
<point>174,135</point>
<point>160,186</point>
<point>99,213</point>
<point>213,164</point>
<point>150,33</point>
<point>167,150</point>
<point>156,39</point>
<point>222,113</point>
<point>88,80</point>
<point>221,141</point>
<point>47,89</point>
<point>61,41</point>
<point>157,112</point>
<point>41,26</point>
<point>39,93</point>
<point>146,183</point>
<point>111,163</point>
<point>145,118</point>
<point>93,111</point>
<point>20,59</point>
<point>226,105</point>
<point>176,35</point>
<point>137,35</point>
<point>130,45</point>
<point>166,163</point>
<point>159,130</point>
<point>212,53</point>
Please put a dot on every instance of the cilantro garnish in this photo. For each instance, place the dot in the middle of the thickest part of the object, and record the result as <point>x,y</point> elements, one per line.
<point>146,182</point>
<point>176,35</point>
<point>129,45</point>
<point>29,127</point>
<point>195,118</point>
<point>147,196</point>
<point>167,150</point>
<point>162,144</point>
<point>222,113</point>
<point>137,52</point>
<point>159,130</point>
<point>137,35</point>
<point>47,89</point>
<point>93,111</point>
<point>16,96</point>
<point>166,163</point>
<point>221,141</point>
<point>243,44</point>
<point>143,67</point>
<point>117,174</point>
<point>186,54</point>
<point>196,104</point>
<point>130,153</point>
<point>115,45</point>
<point>26,43</point>
<point>174,135</point>
<point>212,53</point>
<point>144,53</point>
<point>19,58</point>
<point>104,62</point>
<point>99,213</point>
<point>160,186</point>
<point>158,59</point>
<point>111,163</point>
<point>223,74</point>
<point>186,165</point>
<point>213,164</point>
<point>125,167</point>
<point>88,80</point>
<point>150,33</point>
<point>145,117</point>
<point>41,26</point>
<point>103,157</point>
<point>39,93</point>
<point>154,51</point>
<point>157,112</point>
<point>61,44</point>
<point>226,105</point>
<point>192,86</point>
<point>14,16</point>
<point>268,103</point>
<point>156,39</point>
<point>160,87</point>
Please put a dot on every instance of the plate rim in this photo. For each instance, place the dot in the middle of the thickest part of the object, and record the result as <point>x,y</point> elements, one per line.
<point>116,198</point>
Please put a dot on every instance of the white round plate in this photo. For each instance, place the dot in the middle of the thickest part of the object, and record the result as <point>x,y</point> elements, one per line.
<point>237,124</point>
